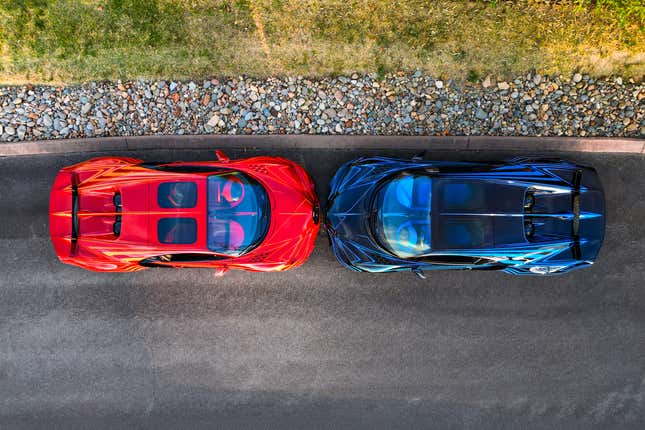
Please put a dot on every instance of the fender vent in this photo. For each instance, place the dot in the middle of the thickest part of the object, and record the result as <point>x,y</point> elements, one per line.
<point>258,168</point>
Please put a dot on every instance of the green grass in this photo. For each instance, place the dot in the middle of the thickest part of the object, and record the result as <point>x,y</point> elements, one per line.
<point>624,10</point>
<point>78,40</point>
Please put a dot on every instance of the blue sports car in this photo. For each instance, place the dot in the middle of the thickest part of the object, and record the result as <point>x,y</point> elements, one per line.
<point>524,216</point>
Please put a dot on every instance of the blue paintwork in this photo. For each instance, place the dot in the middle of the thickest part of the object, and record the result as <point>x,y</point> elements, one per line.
<point>477,215</point>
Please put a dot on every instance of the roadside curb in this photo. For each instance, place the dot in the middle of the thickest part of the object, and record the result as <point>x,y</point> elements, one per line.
<point>330,142</point>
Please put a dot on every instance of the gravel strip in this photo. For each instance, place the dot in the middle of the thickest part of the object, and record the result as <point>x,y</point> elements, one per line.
<point>400,104</point>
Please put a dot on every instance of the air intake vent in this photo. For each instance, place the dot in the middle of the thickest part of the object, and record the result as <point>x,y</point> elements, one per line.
<point>116,228</point>
<point>259,258</point>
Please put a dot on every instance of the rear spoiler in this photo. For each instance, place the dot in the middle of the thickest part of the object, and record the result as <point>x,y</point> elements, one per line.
<point>575,225</point>
<point>74,214</point>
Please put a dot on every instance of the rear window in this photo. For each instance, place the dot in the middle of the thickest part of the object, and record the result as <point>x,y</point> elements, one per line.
<point>177,195</point>
<point>181,231</point>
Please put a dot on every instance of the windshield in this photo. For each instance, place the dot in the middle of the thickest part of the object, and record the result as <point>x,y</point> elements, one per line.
<point>238,213</point>
<point>401,215</point>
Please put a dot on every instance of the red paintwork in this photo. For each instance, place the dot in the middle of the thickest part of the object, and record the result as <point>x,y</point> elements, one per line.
<point>288,242</point>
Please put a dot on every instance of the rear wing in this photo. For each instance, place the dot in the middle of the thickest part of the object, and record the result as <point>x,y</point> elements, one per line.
<point>74,243</point>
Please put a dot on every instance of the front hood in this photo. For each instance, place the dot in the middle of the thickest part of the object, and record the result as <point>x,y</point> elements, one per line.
<point>295,214</point>
<point>347,219</point>
<point>348,212</point>
<point>348,227</point>
<point>353,185</point>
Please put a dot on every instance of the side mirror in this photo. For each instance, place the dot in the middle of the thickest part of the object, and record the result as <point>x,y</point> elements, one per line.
<point>419,273</point>
<point>220,271</point>
<point>221,156</point>
<point>419,156</point>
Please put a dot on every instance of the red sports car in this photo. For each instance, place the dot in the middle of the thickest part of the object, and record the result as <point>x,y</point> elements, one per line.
<point>114,214</point>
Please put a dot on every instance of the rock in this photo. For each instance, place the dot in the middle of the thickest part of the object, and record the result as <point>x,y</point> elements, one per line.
<point>47,120</point>
<point>480,114</point>
<point>213,121</point>
<point>331,113</point>
<point>537,78</point>
<point>22,130</point>
<point>577,77</point>
<point>338,128</point>
<point>503,86</point>
<point>10,130</point>
<point>619,81</point>
<point>17,101</point>
<point>487,82</point>
<point>438,84</point>
<point>86,108</point>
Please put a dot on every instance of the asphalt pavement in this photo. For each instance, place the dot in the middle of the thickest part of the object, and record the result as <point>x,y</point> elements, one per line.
<point>319,346</point>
